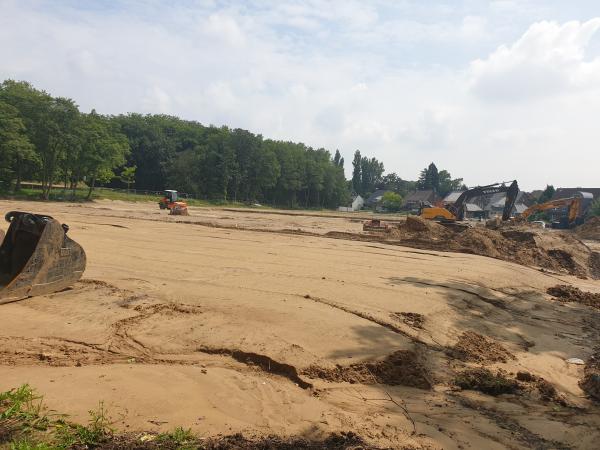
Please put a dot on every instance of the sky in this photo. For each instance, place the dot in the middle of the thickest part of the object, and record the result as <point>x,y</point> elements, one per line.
<point>488,90</point>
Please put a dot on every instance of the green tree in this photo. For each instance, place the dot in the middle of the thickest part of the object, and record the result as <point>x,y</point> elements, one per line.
<point>391,201</point>
<point>16,151</point>
<point>357,174</point>
<point>547,194</point>
<point>128,175</point>
<point>429,178</point>
<point>447,184</point>
<point>595,208</point>
<point>372,173</point>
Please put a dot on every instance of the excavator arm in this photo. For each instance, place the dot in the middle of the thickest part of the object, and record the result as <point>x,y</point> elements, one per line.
<point>573,203</point>
<point>512,191</point>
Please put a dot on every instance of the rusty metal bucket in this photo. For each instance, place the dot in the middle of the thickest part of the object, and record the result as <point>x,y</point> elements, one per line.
<point>37,257</point>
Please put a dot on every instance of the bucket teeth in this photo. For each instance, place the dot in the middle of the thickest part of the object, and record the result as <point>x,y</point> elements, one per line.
<point>37,257</point>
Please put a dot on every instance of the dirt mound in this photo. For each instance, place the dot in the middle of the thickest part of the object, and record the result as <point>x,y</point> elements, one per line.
<point>414,320</point>
<point>484,380</point>
<point>400,368</point>
<point>520,243</point>
<point>566,293</point>
<point>591,376</point>
<point>474,347</point>
<point>589,230</point>
<point>544,388</point>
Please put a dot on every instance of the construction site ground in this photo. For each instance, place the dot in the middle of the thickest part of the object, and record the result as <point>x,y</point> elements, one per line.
<point>299,324</point>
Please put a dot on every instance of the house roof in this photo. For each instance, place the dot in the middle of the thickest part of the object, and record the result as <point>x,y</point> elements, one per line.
<point>520,208</point>
<point>499,199</point>
<point>421,196</point>
<point>452,197</point>
<point>376,196</point>
<point>571,192</point>
<point>472,207</point>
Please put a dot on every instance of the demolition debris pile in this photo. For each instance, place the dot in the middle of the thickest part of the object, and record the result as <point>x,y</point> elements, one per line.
<point>522,244</point>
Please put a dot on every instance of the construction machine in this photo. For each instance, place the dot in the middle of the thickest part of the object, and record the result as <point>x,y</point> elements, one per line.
<point>573,217</point>
<point>376,225</point>
<point>37,257</point>
<point>170,201</point>
<point>456,211</point>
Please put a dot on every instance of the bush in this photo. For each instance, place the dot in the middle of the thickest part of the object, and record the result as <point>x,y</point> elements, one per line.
<point>391,201</point>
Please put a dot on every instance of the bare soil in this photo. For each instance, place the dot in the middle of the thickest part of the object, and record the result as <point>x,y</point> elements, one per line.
<point>589,230</point>
<point>566,293</point>
<point>474,347</point>
<point>286,329</point>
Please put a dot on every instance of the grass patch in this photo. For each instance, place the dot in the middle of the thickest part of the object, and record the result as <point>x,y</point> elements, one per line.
<point>25,424</point>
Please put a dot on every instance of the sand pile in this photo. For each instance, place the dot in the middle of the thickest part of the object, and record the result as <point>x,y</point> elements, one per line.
<point>522,244</point>
<point>589,230</point>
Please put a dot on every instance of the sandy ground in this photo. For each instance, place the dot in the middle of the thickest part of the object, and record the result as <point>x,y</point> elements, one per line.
<point>214,324</point>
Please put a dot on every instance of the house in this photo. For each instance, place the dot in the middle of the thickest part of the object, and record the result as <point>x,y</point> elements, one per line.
<point>495,204</point>
<point>356,205</point>
<point>451,198</point>
<point>375,197</point>
<point>416,199</point>
<point>473,211</point>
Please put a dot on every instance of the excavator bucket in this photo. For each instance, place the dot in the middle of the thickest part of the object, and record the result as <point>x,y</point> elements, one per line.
<point>37,257</point>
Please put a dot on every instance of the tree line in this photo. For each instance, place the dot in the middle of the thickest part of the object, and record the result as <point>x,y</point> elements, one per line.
<point>48,140</point>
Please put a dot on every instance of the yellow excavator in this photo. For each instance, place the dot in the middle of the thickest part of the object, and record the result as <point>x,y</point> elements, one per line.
<point>37,257</point>
<point>456,211</point>
<point>573,217</point>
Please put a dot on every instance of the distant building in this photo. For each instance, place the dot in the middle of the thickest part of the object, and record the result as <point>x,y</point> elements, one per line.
<point>375,197</point>
<point>356,205</point>
<point>451,197</point>
<point>488,206</point>
<point>415,199</point>
<point>473,211</point>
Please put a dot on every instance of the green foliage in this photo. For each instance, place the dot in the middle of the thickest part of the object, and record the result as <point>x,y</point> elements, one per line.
<point>179,438</point>
<point>97,431</point>
<point>24,407</point>
<point>47,139</point>
<point>439,181</point>
<point>128,175</point>
<point>393,182</point>
<point>391,201</point>
<point>595,208</point>
<point>547,194</point>
<point>26,444</point>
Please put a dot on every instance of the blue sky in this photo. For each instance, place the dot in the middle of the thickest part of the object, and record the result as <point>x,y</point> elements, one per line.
<point>490,90</point>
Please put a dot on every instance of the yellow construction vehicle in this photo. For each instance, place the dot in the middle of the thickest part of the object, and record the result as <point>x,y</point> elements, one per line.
<point>456,211</point>
<point>573,217</point>
<point>37,257</point>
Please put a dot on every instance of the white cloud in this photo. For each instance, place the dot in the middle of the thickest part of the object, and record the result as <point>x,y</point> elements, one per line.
<point>390,78</point>
<point>549,59</point>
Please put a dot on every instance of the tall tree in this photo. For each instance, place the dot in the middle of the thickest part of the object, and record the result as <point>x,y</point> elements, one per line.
<point>547,194</point>
<point>16,151</point>
<point>357,173</point>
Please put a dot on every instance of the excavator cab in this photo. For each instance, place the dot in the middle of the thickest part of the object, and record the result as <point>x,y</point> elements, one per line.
<point>37,257</point>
